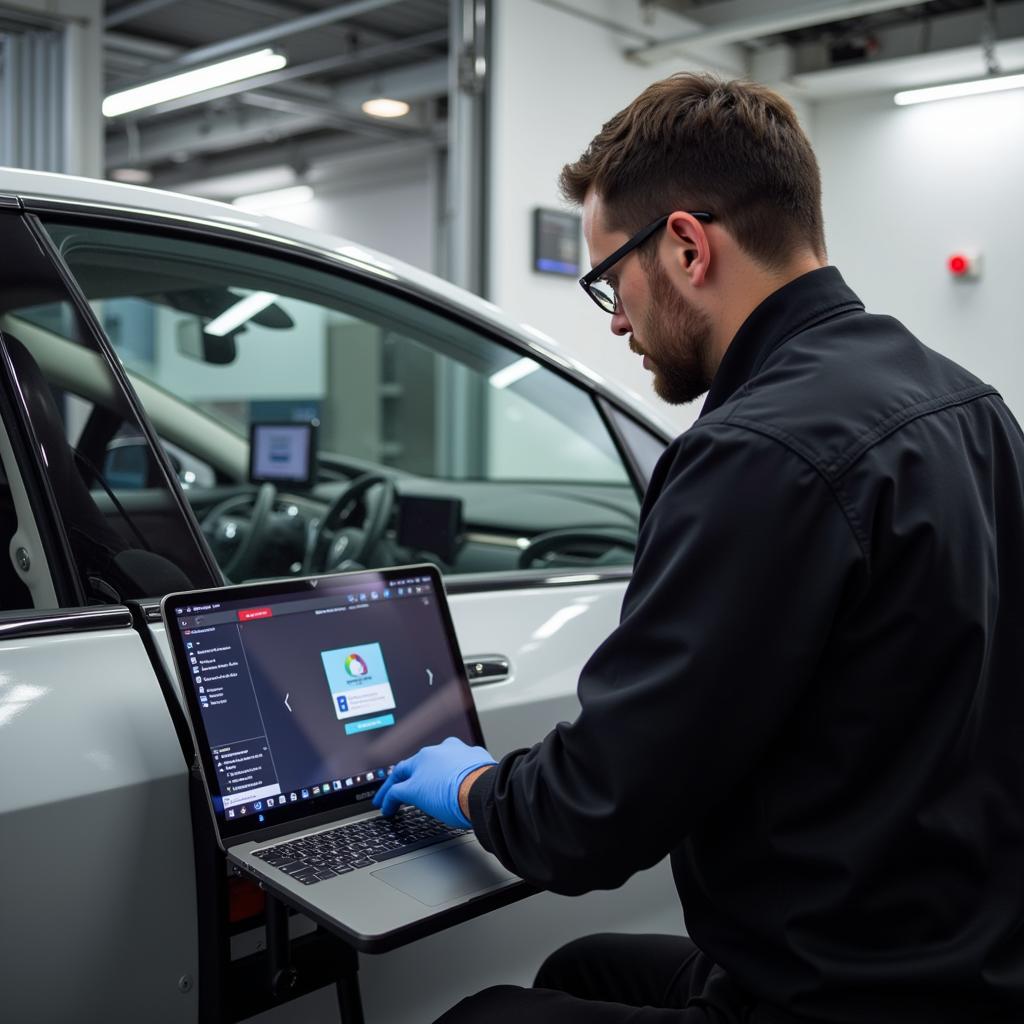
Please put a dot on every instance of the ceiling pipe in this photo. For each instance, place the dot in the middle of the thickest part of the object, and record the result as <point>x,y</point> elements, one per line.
<point>254,40</point>
<point>129,12</point>
<point>757,27</point>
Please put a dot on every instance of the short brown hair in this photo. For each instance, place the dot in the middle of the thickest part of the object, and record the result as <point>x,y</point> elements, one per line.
<point>697,142</point>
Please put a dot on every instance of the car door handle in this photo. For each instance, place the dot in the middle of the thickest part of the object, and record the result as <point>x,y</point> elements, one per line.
<point>487,668</point>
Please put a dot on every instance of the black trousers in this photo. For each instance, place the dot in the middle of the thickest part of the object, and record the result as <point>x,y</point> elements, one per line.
<point>614,979</point>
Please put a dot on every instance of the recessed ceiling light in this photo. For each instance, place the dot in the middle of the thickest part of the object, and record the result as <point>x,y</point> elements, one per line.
<point>275,199</point>
<point>132,175</point>
<point>977,87</point>
<point>382,107</point>
<point>189,82</point>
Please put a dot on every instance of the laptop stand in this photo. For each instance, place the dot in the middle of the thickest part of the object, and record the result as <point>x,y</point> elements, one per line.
<point>282,976</point>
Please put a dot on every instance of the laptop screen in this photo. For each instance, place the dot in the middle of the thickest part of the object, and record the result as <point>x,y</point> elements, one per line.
<point>303,694</point>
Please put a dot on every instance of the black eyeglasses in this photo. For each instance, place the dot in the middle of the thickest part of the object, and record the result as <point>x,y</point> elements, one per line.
<point>600,290</point>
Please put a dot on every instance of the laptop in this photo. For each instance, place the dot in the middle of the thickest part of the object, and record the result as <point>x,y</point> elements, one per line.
<point>302,695</point>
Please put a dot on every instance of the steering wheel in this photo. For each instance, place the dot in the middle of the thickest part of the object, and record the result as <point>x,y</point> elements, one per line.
<point>558,540</point>
<point>352,543</point>
<point>221,523</point>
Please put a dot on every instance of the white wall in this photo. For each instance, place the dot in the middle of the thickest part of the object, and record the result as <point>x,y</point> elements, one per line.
<point>391,206</point>
<point>556,79</point>
<point>905,187</point>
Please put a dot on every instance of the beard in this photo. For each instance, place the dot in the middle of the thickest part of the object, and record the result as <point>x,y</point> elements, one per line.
<point>677,340</point>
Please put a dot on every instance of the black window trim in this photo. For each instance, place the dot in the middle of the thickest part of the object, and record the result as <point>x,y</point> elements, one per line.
<point>36,622</point>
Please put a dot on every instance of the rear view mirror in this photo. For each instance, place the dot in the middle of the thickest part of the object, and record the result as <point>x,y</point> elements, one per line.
<point>192,342</point>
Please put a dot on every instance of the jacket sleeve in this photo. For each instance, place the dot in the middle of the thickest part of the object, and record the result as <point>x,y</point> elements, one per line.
<point>742,560</point>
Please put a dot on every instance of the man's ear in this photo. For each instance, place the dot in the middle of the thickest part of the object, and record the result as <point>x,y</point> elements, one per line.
<point>691,251</point>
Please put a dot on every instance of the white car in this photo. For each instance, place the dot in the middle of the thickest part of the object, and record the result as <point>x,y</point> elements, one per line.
<point>142,334</point>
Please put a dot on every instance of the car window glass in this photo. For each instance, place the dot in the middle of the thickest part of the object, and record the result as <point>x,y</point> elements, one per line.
<point>500,447</point>
<point>644,447</point>
<point>72,404</point>
<point>13,592</point>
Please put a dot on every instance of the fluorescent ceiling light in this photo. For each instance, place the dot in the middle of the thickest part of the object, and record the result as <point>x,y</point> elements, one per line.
<point>514,371</point>
<point>275,199</point>
<point>948,92</point>
<point>382,107</point>
<point>234,316</point>
<point>189,82</point>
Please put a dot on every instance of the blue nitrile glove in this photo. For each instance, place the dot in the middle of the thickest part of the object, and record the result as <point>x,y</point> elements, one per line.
<point>430,780</point>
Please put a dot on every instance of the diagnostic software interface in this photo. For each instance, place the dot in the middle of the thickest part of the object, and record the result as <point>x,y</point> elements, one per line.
<point>315,697</point>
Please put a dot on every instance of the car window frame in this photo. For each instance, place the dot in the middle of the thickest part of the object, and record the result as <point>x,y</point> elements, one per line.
<point>120,376</point>
<point>156,224</point>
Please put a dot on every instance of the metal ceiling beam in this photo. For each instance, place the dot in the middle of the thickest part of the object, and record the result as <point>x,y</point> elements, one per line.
<point>303,153</point>
<point>315,67</point>
<point>413,82</point>
<point>332,117</point>
<point>227,130</point>
<point>157,142</point>
<point>307,23</point>
<point>129,12</point>
<point>759,26</point>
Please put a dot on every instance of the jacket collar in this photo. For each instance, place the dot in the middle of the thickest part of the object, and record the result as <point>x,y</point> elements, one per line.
<point>805,301</point>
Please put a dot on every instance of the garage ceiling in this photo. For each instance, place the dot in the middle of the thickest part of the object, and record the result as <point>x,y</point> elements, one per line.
<point>828,33</point>
<point>339,54</point>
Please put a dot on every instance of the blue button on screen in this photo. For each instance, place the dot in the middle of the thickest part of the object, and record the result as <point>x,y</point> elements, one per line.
<point>366,724</point>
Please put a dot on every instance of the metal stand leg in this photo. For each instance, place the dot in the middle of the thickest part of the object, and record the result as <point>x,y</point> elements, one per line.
<point>350,1003</point>
<point>283,976</point>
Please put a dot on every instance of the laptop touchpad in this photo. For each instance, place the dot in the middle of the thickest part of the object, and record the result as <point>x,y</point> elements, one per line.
<point>437,878</point>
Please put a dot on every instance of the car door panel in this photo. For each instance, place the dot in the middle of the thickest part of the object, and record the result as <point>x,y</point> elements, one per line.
<point>94,814</point>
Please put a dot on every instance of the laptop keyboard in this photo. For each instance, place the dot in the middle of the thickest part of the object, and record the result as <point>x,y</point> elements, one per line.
<point>315,858</point>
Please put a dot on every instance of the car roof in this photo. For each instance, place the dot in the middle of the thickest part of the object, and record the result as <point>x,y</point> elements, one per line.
<point>93,192</point>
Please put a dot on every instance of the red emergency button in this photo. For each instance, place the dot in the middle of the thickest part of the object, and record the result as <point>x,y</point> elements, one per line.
<point>964,265</point>
<point>247,614</point>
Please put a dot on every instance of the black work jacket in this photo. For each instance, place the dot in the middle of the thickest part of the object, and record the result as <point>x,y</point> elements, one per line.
<point>814,699</point>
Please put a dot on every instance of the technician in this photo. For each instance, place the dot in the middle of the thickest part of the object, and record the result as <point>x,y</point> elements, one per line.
<point>814,701</point>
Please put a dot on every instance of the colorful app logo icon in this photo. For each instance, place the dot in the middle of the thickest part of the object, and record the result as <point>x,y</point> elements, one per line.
<point>305,794</point>
<point>355,666</point>
<point>316,791</point>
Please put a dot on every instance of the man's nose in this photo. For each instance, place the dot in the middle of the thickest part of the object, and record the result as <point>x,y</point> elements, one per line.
<point>620,323</point>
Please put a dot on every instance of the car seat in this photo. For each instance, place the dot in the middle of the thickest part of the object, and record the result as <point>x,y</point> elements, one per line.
<point>113,568</point>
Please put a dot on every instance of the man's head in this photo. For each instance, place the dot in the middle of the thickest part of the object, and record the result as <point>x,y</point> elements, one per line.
<point>726,180</point>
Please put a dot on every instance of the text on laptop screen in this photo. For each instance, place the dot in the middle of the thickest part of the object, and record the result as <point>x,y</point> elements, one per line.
<point>309,699</point>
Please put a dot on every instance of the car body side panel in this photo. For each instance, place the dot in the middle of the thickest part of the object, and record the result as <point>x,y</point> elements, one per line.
<point>99,918</point>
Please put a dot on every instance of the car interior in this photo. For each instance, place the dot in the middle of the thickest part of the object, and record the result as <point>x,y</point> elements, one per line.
<point>462,501</point>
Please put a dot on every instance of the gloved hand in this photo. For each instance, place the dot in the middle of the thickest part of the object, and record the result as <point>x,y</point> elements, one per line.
<point>430,780</point>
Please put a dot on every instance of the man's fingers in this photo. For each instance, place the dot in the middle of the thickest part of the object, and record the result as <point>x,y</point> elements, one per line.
<point>393,799</point>
<point>401,772</point>
<point>378,797</point>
